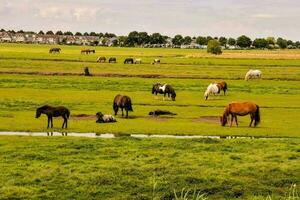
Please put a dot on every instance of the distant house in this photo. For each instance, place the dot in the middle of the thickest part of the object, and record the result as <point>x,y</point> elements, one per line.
<point>20,37</point>
<point>5,37</point>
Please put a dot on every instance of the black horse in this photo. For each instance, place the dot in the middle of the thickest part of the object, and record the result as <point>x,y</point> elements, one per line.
<point>54,50</point>
<point>164,89</point>
<point>123,102</point>
<point>112,60</point>
<point>128,61</point>
<point>54,112</point>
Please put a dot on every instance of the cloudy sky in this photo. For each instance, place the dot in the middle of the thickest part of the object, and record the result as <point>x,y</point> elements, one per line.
<point>256,18</point>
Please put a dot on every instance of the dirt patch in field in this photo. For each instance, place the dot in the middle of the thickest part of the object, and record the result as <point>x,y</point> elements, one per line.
<point>83,117</point>
<point>212,119</point>
<point>7,115</point>
<point>158,119</point>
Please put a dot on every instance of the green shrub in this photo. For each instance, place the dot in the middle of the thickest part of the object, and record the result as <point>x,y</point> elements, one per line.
<point>214,47</point>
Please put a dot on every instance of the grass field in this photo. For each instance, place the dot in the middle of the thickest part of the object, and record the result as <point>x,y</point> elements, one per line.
<point>128,168</point>
<point>124,168</point>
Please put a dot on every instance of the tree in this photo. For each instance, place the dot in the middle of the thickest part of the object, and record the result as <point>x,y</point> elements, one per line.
<point>157,38</point>
<point>109,35</point>
<point>49,33</point>
<point>92,34</point>
<point>214,47</point>
<point>122,40</point>
<point>20,31</point>
<point>271,40</point>
<point>187,40</point>
<point>41,32</point>
<point>243,41</point>
<point>297,44</point>
<point>68,33</point>
<point>2,30</point>
<point>223,41</point>
<point>78,34</point>
<point>290,42</point>
<point>132,39</point>
<point>282,43</point>
<point>143,38</point>
<point>86,34</point>
<point>260,43</point>
<point>177,40</point>
<point>231,41</point>
<point>201,40</point>
<point>209,38</point>
<point>59,33</point>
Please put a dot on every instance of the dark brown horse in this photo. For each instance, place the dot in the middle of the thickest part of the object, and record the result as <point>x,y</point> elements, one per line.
<point>112,60</point>
<point>128,61</point>
<point>54,112</point>
<point>222,86</point>
<point>164,89</point>
<point>87,51</point>
<point>54,50</point>
<point>241,109</point>
<point>123,102</point>
<point>101,59</point>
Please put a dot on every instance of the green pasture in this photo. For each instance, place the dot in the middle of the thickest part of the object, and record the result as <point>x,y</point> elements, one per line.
<point>124,168</point>
<point>129,168</point>
<point>31,77</point>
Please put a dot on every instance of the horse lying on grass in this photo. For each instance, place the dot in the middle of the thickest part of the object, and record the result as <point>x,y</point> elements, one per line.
<point>105,118</point>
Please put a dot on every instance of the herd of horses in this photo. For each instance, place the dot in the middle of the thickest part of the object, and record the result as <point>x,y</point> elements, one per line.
<point>124,102</point>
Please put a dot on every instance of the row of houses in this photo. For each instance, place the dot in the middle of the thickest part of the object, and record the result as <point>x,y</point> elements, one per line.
<point>48,39</point>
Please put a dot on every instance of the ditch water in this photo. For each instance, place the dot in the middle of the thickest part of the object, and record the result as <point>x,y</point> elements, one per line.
<point>108,135</point>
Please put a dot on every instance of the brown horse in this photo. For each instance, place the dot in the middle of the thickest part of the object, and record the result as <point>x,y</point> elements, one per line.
<point>241,109</point>
<point>54,112</point>
<point>87,51</point>
<point>222,86</point>
<point>123,102</point>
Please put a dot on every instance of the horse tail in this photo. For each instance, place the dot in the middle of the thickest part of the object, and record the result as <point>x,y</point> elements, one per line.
<point>129,105</point>
<point>257,116</point>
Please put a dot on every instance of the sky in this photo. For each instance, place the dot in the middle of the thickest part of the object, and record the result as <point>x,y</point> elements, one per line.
<point>229,18</point>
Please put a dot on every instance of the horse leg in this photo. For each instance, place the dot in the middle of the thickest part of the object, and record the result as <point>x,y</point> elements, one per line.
<point>122,112</point>
<point>236,121</point>
<point>116,109</point>
<point>48,122</point>
<point>126,112</point>
<point>164,96</point>
<point>231,120</point>
<point>252,117</point>
<point>51,119</point>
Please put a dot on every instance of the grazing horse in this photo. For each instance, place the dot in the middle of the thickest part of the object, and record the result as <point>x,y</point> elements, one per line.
<point>156,61</point>
<point>123,102</point>
<point>104,118</point>
<point>128,61</point>
<point>112,60</point>
<point>222,86</point>
<point>138,61</point>
<point>241,109</point>
<point>164,89</point>
<point>54,50</point>
<point>251,74</point>
<point>101,59</point>
<point>212,88</point>
<point>54,112</point>
<point>87,51</point>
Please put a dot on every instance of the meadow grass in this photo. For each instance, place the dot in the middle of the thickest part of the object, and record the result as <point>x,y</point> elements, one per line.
<point>127,168</point>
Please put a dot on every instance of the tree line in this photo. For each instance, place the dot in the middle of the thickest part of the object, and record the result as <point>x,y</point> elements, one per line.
<point>136,38</point>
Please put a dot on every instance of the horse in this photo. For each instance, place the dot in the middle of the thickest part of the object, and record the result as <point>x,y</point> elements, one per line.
<point>222,86</point>
<point>54,50</point>
<point>54,112</point>
<point>241,109</point>
<point>251,74</point>
<point>123,102</point>
<point>86,51</point>
<point>156,61</point>
<point>112,60</point>
<point>212,88</point>
<point>101,59</point>
<point>138,61</point>
<point>164,89</point>
<point>128,61</point>
<point>161,112</point>
<point>105,118</point>
<point>92,50</point>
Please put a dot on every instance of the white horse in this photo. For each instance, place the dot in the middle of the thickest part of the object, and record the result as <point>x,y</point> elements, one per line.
<point>253,74</point>
<point>211,89</point>
<point>138,61</point>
